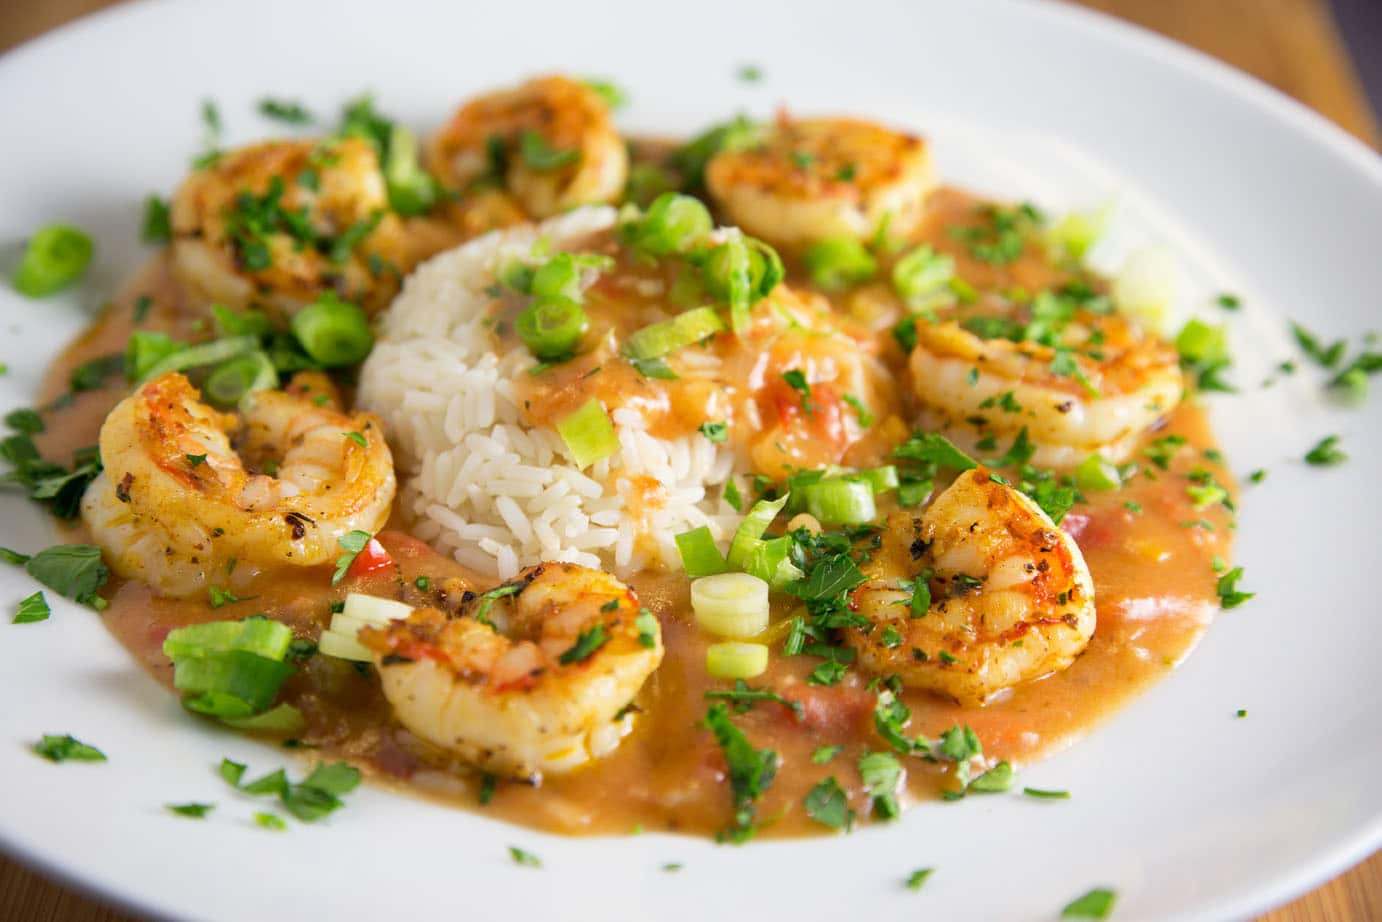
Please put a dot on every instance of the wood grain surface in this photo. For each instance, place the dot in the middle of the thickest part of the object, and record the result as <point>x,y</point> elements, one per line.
<point>1292,44</point>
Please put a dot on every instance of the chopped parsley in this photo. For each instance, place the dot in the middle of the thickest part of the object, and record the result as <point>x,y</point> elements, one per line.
<point>1324,356</point>
<point>270,821</point>
<point>732,496</point>
<point>743,697</point>
<point>994,781</point>
<point>917,878</point>
<point>1096,904</point>
<point>62,748</point>
<point>285,110</point>
<point>865,417</point>
<point>316,796</point>
<point>524,858</point>
<point>193,811</point>
<point>796,380</point>
<point>1229,302</point>
<point>1326,453</point>
<point>827,804</point>
<point>751,771</point>
<point>32,609</point>
<point>715,432</point>
<point>881,772</point>
<point>1001,238</point>
<point>824,754</point>
<point>354,542</point>
<point>158,227</point>
<point>749,73</point>
<point>1161,450</point>
<point>196,460</point>
<point>1242,712</point>
<point>72,570</point>
<point>1227,589</point>
<point>538,155</point>
<point>587,642</point>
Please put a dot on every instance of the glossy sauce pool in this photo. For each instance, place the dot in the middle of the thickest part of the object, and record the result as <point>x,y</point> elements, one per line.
<point>1151,555</point>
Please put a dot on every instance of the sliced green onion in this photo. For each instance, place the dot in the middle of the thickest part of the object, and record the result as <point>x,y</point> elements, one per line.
<point>670,335</point>
<point>235,683</point>
<point>1097,473</point>
<point>145,350</point>
<point>588,434</point>
<point>736,660</point>
<point>260,636</point>
<point>283,718</point>
<point>922,272</point>
<point>750,531</point>
<point>672,223</point>
<point>517,276</point>
<point>882,479</point>
<point>839,262</point>
<point>373,609</point>
<point>560,276</point>
<point>412,190</point>
<point>1145,288</point>
<point>232,380</point>
<point>552,327</point>
<point>333,332</point>
<point>771,561</point>
<point>699,554</point>
<point>730,604</point>
<point>342,647</point>
<point>202,354</point>
<point>55,257</point>
<point>1078,231</point>
<point>1201,343</point>
<point>838,501</point>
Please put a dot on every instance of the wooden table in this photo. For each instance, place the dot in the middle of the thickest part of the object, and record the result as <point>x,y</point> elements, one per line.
<point>1292,44</point>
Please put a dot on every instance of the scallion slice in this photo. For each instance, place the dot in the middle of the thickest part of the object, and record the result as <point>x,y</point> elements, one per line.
<point>699,554</point>
<point>342,647</point>
<point>841,501</point>
<point>283,718</point>
<point>232,684</point>
<point>750,531</point>
<point>260,636</point>
<point>736,660</point>
<point>881,479</point>
<point>333,332</point>
<point>1097,473</point>
<point>839,262</point>
<point>202,354</point>
<point>672,223</point>
<point>232,380</point>
<point>588,434</point>
<point>145,350</point>
<point>659,339</point>
<point>55,257</point>
<point>552,327</point>
<point>730,604</point>
<point>770,560</point>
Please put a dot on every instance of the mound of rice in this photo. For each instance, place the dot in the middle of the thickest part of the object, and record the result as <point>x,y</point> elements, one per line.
<point>480,482</point>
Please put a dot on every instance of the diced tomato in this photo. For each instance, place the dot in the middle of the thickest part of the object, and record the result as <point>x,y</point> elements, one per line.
<point>372,559</point>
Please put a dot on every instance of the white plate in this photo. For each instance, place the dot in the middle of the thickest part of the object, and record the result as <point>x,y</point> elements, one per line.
<point>1188,812</point>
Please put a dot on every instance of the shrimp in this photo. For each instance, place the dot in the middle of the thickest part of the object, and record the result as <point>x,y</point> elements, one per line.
<point>814,179</point>
<point>275,224</point>
<point>550,144</point>
<point>1011,597</point>
<point>1097,390</point>
<point>534,676</point>
<point>179,509</point>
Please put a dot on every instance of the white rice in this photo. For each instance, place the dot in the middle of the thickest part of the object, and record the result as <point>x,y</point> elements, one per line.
<point>481,483</point>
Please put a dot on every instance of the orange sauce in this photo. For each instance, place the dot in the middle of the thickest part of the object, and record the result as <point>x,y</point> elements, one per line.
<point>1151,555</point>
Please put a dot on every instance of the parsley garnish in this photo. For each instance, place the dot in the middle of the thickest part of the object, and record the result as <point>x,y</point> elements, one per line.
<point>796,380</point>
<point>157,227</point>
<point>283,110</point>
<point>715,432</point>
<point>732,496</point>
<point>270,821</point>
<point>194,811</point>
<point>587,642</point>
<point>917,878</point>
<point>353,542</point>
<point>1227,588</point>
<point>751,771</point>
<point>538,155</point>
<point>1325,453</point>
<point>881,772</point>
<point>1324,356</point>
<point>526,859</point>
<point>743,696</point>
<point>749,73</point>
<point>62,748</point>
<point>32,609</point>
<point>1096,904</point>
<point>196,460</point>
<point>827,804</point>
<point>862,412</point>
<point>313,798</point>
<point>824,754</point>
<point>73,570</point>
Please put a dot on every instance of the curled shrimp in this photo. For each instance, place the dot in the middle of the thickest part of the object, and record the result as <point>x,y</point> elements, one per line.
<point>180,509</point>
<point>549,143</point>
<point>531,677</point>
<point>275,224</point>
<point>1098,390</point>
<point>819,178</point>
<point>1011,599</point>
